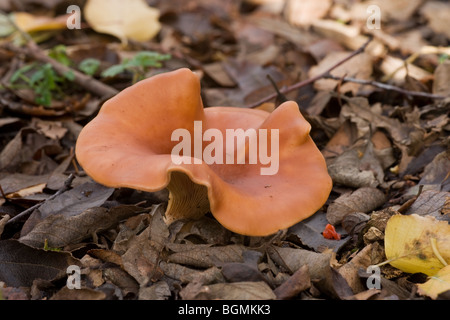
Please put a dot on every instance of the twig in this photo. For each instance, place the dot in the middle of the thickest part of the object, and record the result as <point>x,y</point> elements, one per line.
<point>26,213</point>
<point>87,82</point>
<point>386,87</point>
<point>32,50</point>
<point>313,79</point>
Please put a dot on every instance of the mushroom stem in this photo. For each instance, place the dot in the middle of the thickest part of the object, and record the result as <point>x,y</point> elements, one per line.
<point>186,199</point>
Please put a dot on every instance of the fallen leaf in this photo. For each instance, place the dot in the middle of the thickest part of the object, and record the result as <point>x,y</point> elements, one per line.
<point>157,291</point>
<point>107,256</point>
<point>362,200</point>
<point>398,10</point>
<point>296,283</point>
<point>437,284</point>
<point>359,67</point>
<point>341,140</point>
<point>187,275</point>
<point>397,69</point>
<point>205,229</point>
<point>441,83</point>
<point>70,203</point>
<point>417,244</point>
<point>80,294</point>
<point>350,269</point>
<point>32,23</point>
<point>205,256</point>
<point>51,129</point>
<point>437,172</point>
<point>142,257</point>
<point>126,20</point>
<point>16,182</point>
<point>243,271</point>
<point>437,14</point>
<point>60,230</point>
<point>344,170</point>
<point>229,291</point>
<point>430,203</point>
<point>303,13</point>
<point>20,264</point>
<point>320,271</point>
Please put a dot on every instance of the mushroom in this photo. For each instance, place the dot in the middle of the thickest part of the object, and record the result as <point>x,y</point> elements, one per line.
<point>140,140</point>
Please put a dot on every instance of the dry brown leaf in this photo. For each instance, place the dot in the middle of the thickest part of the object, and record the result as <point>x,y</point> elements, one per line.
<point>397,69</point>
<point>360,67</point>
<point>341,140</point>
<point>303,13</point>
<point>346,170</point>
<point>430,203</point>
<point>20,264</point>
<point>326,278</point>
<point>229,291</point>
<point>143,250</point>
<point>60,230</point>
<point>157,291</point>
<point>361,260</point>
<point>70,203</point>
<point>437,172</point>
<point>362,200</point>
<point>398,10</point>
<point>441,83</point>
<point>201,256</point>
<point>297,283</point>
<point>80,294</point>
<point>437,13</point>
<point>51,129</point>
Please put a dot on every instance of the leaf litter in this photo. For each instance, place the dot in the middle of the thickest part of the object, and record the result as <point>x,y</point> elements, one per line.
<point>380,119</point>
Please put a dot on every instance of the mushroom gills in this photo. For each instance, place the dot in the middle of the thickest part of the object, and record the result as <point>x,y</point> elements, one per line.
<point>187,200</point>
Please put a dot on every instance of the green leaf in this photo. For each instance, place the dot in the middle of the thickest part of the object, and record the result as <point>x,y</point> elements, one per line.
<point>69,75</point>
<point>89,66</point>
<point>59,53</point>
<point>20,73</point>
<point>113,71</point>
<point>149,59</point>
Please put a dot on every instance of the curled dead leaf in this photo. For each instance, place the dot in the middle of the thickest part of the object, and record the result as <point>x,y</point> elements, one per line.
<point>229,291</point>
<point>362,200</point>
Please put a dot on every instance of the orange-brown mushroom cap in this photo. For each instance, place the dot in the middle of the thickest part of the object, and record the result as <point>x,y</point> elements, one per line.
<point>128,144</point>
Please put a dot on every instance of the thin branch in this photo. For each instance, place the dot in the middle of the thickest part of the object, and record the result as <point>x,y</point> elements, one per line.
<point>387,87</point>
<point>26,213</point>
<point>313,79</point>
<point>32,50</point>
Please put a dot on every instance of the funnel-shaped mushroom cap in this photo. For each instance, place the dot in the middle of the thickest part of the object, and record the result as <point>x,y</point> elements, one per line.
<point>255,186</point>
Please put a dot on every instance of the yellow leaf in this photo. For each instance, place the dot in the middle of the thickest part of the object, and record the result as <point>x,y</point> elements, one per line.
<point>437,284</point>
<point>131,19</point>
<point>31,23</point>
<point>416,243</point>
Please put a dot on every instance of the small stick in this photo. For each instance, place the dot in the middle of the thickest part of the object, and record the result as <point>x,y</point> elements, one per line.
<point>386,87</point>
<point>32,50</point>
<point>280,97</point>
<point>26,213</point>
<point>313,79</point>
